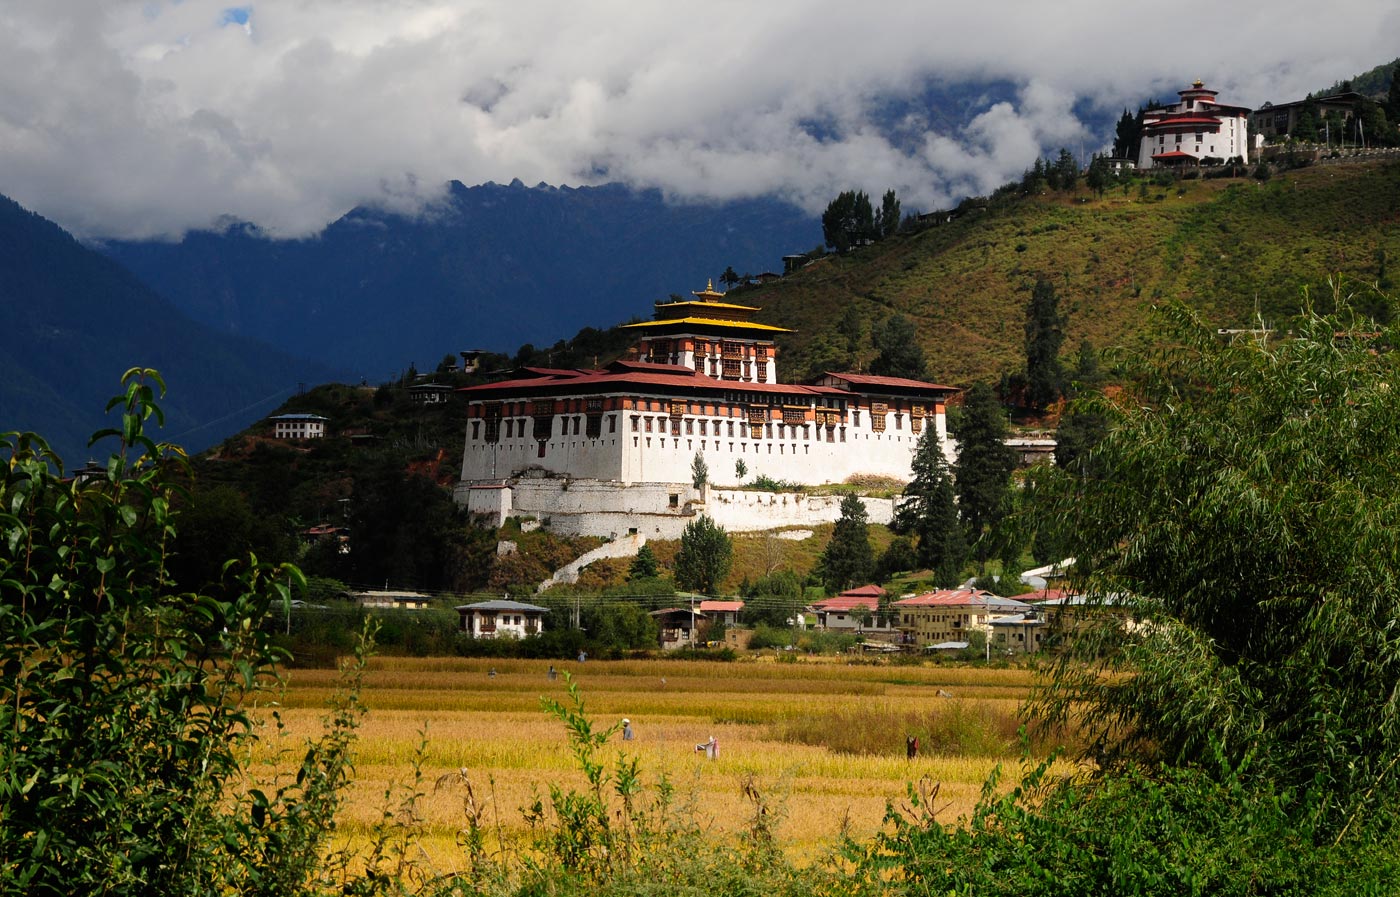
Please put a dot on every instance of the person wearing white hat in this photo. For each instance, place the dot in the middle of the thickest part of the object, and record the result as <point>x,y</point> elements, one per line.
<point>626,729</point>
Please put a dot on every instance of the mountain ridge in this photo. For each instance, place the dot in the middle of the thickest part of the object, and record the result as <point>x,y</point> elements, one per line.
<point>482,267</point>
<point>76,321</point>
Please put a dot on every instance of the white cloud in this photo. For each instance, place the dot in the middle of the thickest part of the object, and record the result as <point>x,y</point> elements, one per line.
<point>148,117</point>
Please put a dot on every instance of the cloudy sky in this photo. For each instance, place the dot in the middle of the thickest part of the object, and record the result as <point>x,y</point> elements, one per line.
<point>138,119</point>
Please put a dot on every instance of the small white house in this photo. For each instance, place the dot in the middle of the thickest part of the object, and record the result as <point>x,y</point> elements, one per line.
<point>298,426</point>
<point>502,618</point>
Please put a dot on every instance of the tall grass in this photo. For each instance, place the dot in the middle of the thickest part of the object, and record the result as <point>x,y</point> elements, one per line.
<point>954,727</point>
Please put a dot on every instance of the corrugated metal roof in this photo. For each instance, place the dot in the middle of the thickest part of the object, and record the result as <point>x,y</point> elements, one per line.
<point>503,604</point>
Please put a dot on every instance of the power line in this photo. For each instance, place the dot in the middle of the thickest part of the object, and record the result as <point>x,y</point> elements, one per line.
<point>264,400</point>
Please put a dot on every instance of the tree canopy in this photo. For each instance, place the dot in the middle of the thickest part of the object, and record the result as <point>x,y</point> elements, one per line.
<point>848,560</point>
<point>982,473</point>
<point>897,345</point>
<point>1242,505</point>
<point>704,557</point>
<point>1045,333</point>
<point>929,511</point>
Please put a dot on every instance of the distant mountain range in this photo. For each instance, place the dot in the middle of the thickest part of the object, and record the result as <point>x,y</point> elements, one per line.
<point>489,267</point>
<point>75,320</point>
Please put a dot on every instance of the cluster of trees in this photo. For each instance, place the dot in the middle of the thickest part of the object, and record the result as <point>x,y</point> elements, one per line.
<point>964,510</point>
<point>1060,173</point>
<point>851,221</point>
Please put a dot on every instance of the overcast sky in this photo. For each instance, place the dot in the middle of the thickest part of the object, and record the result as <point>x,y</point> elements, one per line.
<point>136,119</point>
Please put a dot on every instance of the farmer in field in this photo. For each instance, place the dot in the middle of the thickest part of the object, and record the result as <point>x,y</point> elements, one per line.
<point>626,729</point>
<point>552,674</point>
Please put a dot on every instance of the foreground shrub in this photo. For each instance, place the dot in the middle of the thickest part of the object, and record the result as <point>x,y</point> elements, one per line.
<point>124,703</point>
<point>1163,831</point>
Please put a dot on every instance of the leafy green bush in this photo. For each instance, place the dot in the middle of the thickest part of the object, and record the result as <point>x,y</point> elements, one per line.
<point>124,700</point>
<point>1142,831</point>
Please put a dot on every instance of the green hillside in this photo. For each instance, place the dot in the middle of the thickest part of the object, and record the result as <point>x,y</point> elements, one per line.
<point>1227,246</point>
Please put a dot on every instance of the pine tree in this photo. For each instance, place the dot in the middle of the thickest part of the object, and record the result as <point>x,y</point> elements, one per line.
<point>1127,135</point>
<point>1392,98</point>
<point>863,216</point>
<point>889,214</point>
<point>1045,376</point>
<point>982,473</point>
<point>1066,170</point>
<point>644,565</point>
<point>848,559</point>
<point>929,511</point>
<point>1099,176</point>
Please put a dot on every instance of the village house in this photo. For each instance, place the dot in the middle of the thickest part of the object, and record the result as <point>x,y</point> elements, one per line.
<point>502,618</point>
<point>678,627</point>
<point>1072,612</point>
<point>1194,129</point>
<point>611,451</point>
<point>430,393</point>
<point>951,615</point>
<point>722,612</point>
<point>390,599</point>
<point>1016,633</point>
<point>298,426</point>
<point>856,611</point>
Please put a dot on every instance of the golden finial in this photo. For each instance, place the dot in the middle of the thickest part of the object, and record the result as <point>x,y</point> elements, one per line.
<point>710,285</point>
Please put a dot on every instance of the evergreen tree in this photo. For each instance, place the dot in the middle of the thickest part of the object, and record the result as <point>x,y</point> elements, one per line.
<point>848,560</point>
<point>897,345</point>
<point>982,473</point>
<point>1033,181</point>
<point>863,216</point>
<point>852,327</point>
<point>889,214</point>
<point>699,471</point>
<point>1086,368</point>
<point>644,565</point>
<point>1099,176</point>
<point>1066,170</point>
<point>929,511</point>
<point>1045,376</point>
<point>729,277</point>
<point>704,557</point>
<point>1128,135</point>
<point>1392,98</point>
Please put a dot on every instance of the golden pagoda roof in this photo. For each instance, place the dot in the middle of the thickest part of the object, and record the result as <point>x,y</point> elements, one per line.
<point>711,322</point>
<point>696,303</point>
<point>707,294</point>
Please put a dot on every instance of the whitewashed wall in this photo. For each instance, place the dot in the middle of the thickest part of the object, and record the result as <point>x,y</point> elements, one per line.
<point>655,510</point>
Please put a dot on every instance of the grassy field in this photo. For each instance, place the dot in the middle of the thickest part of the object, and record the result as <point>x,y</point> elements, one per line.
<point>823,742</point>
<point>1230,248</point>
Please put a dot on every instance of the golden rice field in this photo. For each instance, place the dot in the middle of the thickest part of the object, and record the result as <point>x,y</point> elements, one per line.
<point>823,741</point>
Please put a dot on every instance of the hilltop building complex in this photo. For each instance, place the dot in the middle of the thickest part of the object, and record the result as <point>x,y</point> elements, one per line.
<point>1194,129</point>
<point>612,451</point>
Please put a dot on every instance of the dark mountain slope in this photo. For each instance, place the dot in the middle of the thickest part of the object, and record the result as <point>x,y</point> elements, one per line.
<point>493,266</point>
<point>74,321</point>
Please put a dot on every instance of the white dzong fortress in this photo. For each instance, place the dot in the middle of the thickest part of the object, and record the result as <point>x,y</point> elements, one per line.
<point>608,452</point>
